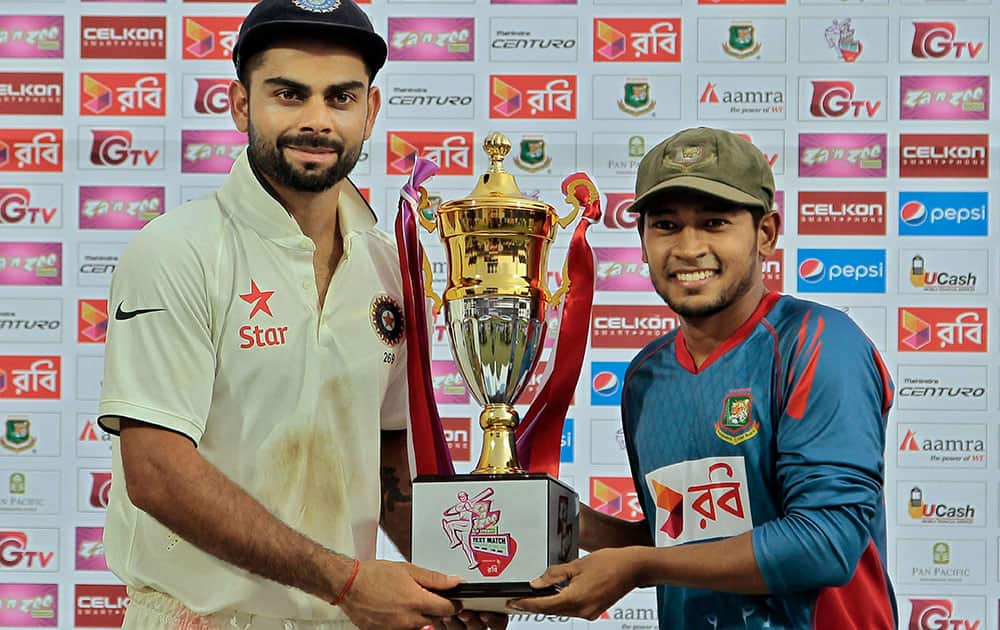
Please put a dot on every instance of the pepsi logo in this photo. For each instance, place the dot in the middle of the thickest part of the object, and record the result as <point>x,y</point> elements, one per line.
<point>811,269</point>
<point>606,383</point>
<point>913,213</point>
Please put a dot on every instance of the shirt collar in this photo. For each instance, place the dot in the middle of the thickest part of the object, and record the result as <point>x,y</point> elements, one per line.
<point>245,197</point>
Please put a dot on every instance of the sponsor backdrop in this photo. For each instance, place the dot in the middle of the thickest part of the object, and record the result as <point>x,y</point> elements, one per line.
<point>875,116</point>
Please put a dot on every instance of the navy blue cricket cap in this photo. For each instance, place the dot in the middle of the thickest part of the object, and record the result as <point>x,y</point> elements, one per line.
<point>341,22</point>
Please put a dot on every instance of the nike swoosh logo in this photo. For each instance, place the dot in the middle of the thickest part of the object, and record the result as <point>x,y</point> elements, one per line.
<point>121,314</point>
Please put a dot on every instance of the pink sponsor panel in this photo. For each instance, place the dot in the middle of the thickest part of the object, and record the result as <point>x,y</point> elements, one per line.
<point>26,264</point>
<point>90,549</point>
<point>210,150</point>
<point>449,386</point>
<point>38,36</point>
<point>621,269</point>
<point>29,606</point>
<point>532,1</point>
<point>951,97</point>
<point>432,39</point>
<point>842,154</point>
<point>119,207</point>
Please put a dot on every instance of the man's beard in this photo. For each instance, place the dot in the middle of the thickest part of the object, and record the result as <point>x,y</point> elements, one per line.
<point>726,297</point>
<point>270,161</point>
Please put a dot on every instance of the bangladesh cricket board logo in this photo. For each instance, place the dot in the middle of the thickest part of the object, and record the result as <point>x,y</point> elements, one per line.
<point>17,435</point>
<point>638,99</point>
<point>737,424</point>
<point>742,41</point>
<point>473,526</point>
<point>532,156</point>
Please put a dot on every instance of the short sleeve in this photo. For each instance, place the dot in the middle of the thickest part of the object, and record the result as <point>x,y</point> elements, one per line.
<point>159,359</point>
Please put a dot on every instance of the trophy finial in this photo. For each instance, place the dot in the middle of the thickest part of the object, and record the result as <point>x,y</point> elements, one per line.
<point>497,146</point>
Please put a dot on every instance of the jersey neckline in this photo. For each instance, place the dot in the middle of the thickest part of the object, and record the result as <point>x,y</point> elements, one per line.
<point>684,357</point>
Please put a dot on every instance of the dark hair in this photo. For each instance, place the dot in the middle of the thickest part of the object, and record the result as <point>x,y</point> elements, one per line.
<point>255,60</point>
<point>757,213</point>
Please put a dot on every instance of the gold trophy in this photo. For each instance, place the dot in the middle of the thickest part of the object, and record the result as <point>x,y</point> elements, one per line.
<point>500,526</point>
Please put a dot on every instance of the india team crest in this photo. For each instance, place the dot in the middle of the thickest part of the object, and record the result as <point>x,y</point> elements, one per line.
<point>317,6</point>
<point>737,424</point>
<point>473,526</point>
<point>387,319</point>
<point>17,435</point>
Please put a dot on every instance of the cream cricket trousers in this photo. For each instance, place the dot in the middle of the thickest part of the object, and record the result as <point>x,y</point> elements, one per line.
<point>152,610</point>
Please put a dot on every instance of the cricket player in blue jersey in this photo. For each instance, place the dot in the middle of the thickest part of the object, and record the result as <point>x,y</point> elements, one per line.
<point>755,431</point>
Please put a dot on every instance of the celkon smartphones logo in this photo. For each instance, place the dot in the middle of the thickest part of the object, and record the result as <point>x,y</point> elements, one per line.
<point>629,326</point>
<point>432,39</point>
<point>100,605</point>
<point>621,269</point>
<point>606,383</point>
<point>841,271</point>
<point>30,264</point>
<point>29,605</point>
<point>532,96</point>
<point>450,150</point>
<point>843,99</point>
<point>210,38</point>
<point>134,148</point>
<point>210,150</point>
<point>938,213</point>
<point>934,155</point>
<point>30,377</point>
<point>842,154</point>
<point>457,433</point>
<point>31,93</point>
<point>122,94</point>
<point>945,97</point>
<point>940,329</point>
<point>31,206</point>
<point>946,40</point>
<point>123,37</point>
<point>31,150</point>
<point>119,207</point>
<point>615,496</point>
<point>835,213</point>
<point>637,39</point>
<point>773,270</point>
<point>31,36</point>
<point>206,96</point>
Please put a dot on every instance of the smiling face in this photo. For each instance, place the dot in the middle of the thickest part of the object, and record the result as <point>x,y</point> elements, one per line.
<point>704,253</point>
<point>308,109</point>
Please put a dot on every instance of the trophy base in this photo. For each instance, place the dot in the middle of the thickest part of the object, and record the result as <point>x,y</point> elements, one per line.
<point>496,532</point>
<point>493,597</point>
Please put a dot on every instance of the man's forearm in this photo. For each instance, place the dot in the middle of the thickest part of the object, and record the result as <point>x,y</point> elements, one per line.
<point>599,531</point>
<point>397,491</point>
<point>205,508</point>
<point>725,565</point>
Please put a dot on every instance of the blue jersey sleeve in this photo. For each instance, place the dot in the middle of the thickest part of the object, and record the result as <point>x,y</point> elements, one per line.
<point>833,399</point>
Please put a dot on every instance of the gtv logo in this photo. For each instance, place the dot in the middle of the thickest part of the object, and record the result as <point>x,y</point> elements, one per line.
<point>841,271</point>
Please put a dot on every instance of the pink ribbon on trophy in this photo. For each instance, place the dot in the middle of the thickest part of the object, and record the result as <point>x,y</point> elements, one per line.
<point>539,435</point>
<point>430,449</point>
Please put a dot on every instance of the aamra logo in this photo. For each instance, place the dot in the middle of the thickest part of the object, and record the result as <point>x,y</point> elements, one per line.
<point>473,525</point>
<point>737,425</point>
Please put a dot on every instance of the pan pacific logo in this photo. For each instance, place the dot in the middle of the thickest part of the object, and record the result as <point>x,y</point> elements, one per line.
<point>473,525</point>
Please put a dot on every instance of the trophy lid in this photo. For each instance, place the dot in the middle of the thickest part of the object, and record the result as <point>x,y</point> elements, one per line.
<point>496,187</point>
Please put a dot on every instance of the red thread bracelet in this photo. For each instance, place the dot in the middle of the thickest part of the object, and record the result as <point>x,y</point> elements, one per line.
<point>350,581</point>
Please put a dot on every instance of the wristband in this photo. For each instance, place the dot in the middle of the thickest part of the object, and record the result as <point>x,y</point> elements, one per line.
<point>347,586</point>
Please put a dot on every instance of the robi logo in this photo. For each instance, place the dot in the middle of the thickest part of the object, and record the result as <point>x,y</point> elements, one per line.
<point>811,270</point>
<point>935,40</point>
<point>212,96</point>
<point>913,213</point>
<point>116,148</point>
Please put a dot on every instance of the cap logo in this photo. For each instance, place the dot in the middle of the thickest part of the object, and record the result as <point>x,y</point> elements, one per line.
<point>688,156</point>
<point>317,6</point>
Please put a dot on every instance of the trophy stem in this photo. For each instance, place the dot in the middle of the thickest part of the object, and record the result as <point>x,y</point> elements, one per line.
<point>499,454</point>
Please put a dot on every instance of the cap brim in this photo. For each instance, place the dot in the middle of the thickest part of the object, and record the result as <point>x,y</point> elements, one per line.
<point>700,184</point>
<point>369,45</point>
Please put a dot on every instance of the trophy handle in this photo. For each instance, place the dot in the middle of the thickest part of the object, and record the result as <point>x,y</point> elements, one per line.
<point>428,285</point>
<point>563,287</point>
<point>574,200</point>
<point>423,204</point>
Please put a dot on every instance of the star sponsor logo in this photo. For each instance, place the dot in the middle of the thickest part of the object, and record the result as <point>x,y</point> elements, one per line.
<point>31,36</point>
<point>926,154</point>
<point>123,37</point>
<point>122,94</point>
<point>943,329</point>
<point>210,37</point>
<point>547,96</point>
<point>957,40</point>
<point>31,206</point>
<point>432,39</point>
<point>31,93</point>
<point>941,445</point>
<point>842,213</point>
<point>944,97</point>
<point>31,150</point>
<point>637,39</point>
<point>700,500</point>
<point>450,150</point>
<point>256,335</point>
